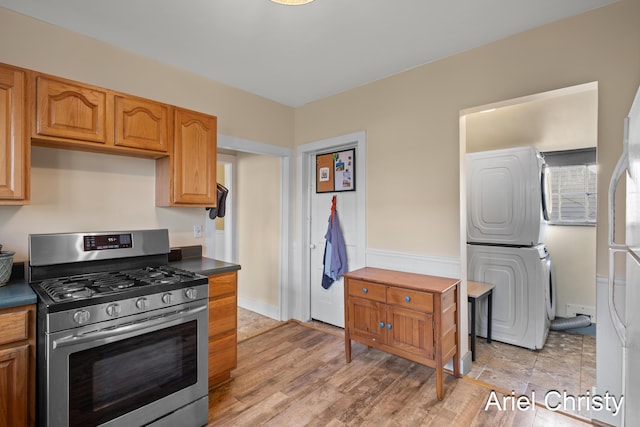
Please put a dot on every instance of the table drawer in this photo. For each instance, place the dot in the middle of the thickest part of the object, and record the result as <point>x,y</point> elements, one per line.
<point>367,290</point>
<point>416,300</point>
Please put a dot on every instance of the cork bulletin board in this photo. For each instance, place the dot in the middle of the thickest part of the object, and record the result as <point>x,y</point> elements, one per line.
<point>336,171</point>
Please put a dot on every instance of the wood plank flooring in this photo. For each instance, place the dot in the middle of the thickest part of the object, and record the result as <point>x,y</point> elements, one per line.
<point>296,375</point>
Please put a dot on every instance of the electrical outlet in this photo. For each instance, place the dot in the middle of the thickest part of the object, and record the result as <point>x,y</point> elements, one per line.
<point>197,231</point>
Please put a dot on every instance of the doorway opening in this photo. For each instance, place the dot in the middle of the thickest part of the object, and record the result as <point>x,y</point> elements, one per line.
<point>564,119</point>
<point>260,220</point>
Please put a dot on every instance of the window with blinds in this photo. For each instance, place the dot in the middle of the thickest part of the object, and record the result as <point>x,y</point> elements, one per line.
<point>573,178</point>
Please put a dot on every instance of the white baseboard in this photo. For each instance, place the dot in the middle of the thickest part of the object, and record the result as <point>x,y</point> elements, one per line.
<point>413,263</point>
<point>259,307</point>
<point>573,310</point>
<point>465,364</point>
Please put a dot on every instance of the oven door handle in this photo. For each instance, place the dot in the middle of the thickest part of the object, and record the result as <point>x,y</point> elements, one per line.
<point>127,328</point>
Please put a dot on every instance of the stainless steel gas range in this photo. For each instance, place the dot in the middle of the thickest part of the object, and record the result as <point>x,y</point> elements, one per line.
<point>121,335</point>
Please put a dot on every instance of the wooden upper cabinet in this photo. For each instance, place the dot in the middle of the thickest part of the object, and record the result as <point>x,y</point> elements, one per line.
<point>70,110</point>
<point>194,158</point>
<point>14,143</point>
<point>39,109</point>
<point>140,123</point>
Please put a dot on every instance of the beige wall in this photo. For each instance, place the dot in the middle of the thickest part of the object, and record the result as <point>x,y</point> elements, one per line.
<point>572,251</point>
<point>258,197</point>
<point>412,125</point>
<point>73,191</point>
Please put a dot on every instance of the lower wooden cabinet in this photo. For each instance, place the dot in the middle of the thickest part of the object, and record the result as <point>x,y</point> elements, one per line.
<point>223,327</point>
<point>410,315</point>
<point>17,366</point>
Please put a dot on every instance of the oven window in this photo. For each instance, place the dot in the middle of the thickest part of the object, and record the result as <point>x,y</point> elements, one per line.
<point>113,379</point>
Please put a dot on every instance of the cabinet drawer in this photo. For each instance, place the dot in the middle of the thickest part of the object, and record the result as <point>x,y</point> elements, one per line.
<point>222,316</point>
<point>222,355</point>
<point>422,301</point>
<point>14,326</point>
<point>222,284</point>
<point>367,290</point>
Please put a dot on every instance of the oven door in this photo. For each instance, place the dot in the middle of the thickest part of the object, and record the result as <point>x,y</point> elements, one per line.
<point>129,374</point>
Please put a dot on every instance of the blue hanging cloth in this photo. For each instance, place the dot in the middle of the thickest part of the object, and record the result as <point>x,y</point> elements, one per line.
<point>335,251</point>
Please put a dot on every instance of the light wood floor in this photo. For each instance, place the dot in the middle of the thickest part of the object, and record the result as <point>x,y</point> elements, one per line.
<point>292,374</point>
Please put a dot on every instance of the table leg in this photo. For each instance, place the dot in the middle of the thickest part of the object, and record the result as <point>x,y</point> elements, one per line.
<point>439,383</point>
<point>489,303</point>
<point>473,329</point>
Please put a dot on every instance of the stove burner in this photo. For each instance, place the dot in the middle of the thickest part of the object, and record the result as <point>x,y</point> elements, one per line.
<point>95,284</point>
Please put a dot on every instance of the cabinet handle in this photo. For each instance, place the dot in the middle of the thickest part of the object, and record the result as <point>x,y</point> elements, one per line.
<point>382,324</point>
<point>365,290</point>
<point>407,298</point>
<point>388,325</point>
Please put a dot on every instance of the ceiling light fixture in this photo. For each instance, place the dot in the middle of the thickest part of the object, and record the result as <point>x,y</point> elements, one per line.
<point>292,2</point>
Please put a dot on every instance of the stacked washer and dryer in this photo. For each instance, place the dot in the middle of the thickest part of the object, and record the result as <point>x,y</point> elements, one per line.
<point>506,231</point>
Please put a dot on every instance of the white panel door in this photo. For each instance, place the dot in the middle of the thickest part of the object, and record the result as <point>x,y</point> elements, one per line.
<point>327,305</point>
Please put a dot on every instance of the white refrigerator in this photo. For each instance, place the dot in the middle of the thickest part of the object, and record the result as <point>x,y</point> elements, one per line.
<point>618,338</point>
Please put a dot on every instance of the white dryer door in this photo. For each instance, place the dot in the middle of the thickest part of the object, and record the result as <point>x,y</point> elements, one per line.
<point>504,197</point>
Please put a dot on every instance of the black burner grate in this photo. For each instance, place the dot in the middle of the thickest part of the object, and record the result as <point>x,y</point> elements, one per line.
<point>96,284</point>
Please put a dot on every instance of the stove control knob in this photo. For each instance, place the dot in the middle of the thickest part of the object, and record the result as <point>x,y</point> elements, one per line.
<point>142,303</point>
<point>113,310</point>
<point>191,293</point>
<point>167,298</point>
<point>81,317</point>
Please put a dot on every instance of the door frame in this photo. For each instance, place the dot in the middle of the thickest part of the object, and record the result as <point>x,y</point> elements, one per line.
<point>286,156</point>
<point>301,304</point>
<point>230,229</point>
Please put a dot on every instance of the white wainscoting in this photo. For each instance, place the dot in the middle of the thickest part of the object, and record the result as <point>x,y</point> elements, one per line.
<point>414,263</point>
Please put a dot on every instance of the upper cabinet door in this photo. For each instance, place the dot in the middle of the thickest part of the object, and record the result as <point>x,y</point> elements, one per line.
<point>140,123</point>
<point>194,158</point>
<point>13,141</point>
<point>70,110</point>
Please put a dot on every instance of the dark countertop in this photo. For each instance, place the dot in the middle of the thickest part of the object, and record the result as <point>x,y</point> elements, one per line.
<point>205,266</point>
<point>16,293</point>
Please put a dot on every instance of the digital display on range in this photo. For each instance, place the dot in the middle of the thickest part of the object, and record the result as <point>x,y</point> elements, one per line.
<point>107,241</point>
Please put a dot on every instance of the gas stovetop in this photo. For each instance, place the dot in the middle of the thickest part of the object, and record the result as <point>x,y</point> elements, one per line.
<point>77,270</point>
<point>92,285</point>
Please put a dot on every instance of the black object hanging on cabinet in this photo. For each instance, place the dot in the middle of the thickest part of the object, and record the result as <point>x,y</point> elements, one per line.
<point>221,201</point>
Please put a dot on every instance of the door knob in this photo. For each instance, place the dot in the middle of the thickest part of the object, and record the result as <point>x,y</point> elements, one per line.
<point>312,246</point>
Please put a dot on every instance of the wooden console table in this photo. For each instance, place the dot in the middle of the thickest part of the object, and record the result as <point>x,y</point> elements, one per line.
<point>414,316</point>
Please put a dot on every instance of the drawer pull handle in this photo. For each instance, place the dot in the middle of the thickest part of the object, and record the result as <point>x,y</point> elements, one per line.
<point>382,324</point>
<point>365,290</point>
<point>407,298</point>
<point>388,325</point>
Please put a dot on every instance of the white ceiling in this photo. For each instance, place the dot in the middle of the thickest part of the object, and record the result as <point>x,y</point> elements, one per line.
<point>298,54</point>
